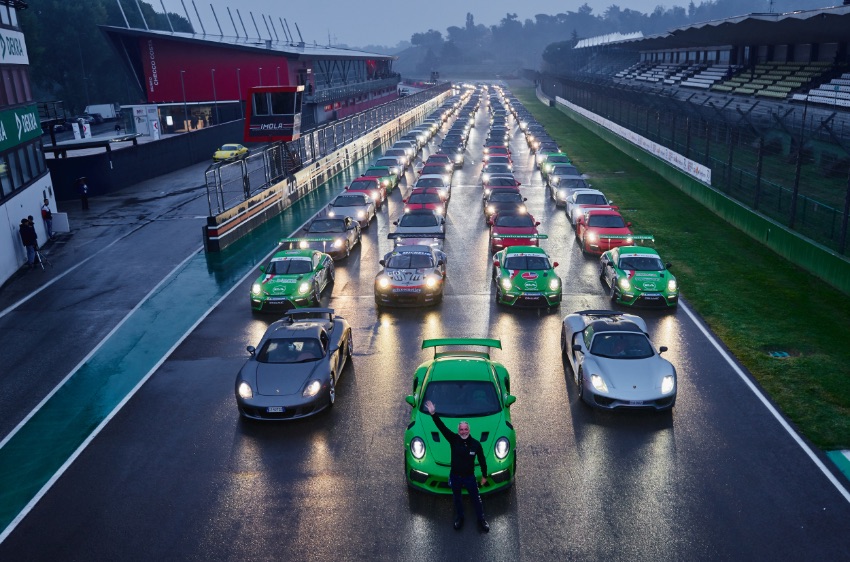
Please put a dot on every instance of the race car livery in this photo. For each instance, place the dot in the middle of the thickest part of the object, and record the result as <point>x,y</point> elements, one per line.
<point>292,279</point>
<point>525,277</point>
<point>638,277</point>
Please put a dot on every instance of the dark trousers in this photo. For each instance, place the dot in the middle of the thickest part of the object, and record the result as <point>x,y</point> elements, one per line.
<point>85,200</point>
<point>458,483</point>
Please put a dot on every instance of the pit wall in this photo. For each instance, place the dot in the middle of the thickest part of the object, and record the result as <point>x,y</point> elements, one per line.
<point>226,228</point>
<point>815,258</point>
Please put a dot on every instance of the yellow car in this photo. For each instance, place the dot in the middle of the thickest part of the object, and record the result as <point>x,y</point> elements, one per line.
<point>230,152</point>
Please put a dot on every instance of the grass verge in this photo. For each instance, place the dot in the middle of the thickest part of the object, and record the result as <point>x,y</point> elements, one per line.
<point>752,298</point>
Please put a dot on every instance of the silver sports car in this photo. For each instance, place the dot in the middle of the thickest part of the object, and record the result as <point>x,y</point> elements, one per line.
<point>354,204</point>
<point>613,362</point>
<point>293,371</point>
<point>412,276</point>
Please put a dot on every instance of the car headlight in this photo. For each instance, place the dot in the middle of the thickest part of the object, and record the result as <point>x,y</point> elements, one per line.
<point>385,183</point>
<point>672,286</point>
<point>459,158</point>
<point>338,243</point>
<point>486,150</point>
<point>506,284</point>
<point>598,383</point>
<point>591,237</point>
<point>447,178</point>
<point>331,214</point>
<point>430,282</point>
<point>256,289</point>
<point>554,283</point>
<point>523,209</point>
<point>554,180</point>
<point>303,244</point>
<point>376,195</point>
<point>491,209</point>
<point>487,191</point>
<point>383,282</point>
<point>312,389</point>
<point>245,391</point>
<point>629,240</point>
<point>303,287</point>
<point>361,214</point>
<point>625,284</point>
<point>667,384</point>
<point>548,167</point>
<point>439,211</point>
<point>502,448</point>
<point>417,447</point>
<point>562,194</point>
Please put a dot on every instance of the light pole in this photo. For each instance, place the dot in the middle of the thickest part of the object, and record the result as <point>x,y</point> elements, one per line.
<point>185,105</point>
<point>215,100</point>
<point>239,94</point>
<point>278,76</point>
<point>260,74</point>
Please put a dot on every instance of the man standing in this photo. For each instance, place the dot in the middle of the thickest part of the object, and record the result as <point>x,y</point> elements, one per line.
<point>84,193</point>
<point>47,217</point>
<point>29,239</point>
<point>465,449</point>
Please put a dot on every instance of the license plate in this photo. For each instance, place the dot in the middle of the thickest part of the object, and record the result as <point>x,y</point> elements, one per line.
<point>275,300</point>
<point>275,409</point>
<point>636,402</point>
<point>406,290</point>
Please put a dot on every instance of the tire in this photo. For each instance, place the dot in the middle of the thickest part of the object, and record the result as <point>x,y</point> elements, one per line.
<point>498,297</point>
<point>347,248</point>
<point>349,347</point>
<point>332,274</point>
<point>331,391</point>
<point>613,294</point>
<point>316,298</point>
<point>563,342</point>
<point>583,246</point>
<point>579,378</point>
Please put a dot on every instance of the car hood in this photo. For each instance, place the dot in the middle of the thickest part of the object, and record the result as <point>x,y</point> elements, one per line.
<point>648,280</point>
<point>281,285</point>
<point>275,379</point>
<point>408,277</point>
<point>635,378</point>
<point>419,229</point>
<point>504,230</point>
<point>350,210</point>
<point>537,280</point>
<point>484,429</point>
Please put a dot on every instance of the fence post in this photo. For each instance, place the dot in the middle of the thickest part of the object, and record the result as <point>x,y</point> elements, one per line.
<point>842,243</point>
<point>758,173</point>
<point>798,167</point>
<point>732,135</point>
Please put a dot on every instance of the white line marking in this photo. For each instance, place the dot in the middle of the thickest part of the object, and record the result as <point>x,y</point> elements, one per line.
<point>755,390</point>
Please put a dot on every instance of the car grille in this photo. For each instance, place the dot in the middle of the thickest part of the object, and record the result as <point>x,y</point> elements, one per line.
<point>290,413</point>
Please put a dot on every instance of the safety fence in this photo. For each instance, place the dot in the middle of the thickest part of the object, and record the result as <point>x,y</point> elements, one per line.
<point>230,184</point>
<point>789,162</point>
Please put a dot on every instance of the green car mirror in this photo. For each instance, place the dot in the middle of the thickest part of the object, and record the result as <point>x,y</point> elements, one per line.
<point>410,399</point>
<point>510,399</point>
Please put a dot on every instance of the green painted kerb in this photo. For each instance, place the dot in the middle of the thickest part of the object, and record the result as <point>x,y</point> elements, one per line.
<point>48,439</point>
<point>814,258</point>
<point>841,460</point>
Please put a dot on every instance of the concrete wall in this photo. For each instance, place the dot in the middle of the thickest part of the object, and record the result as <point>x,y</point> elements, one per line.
<point>817,259</point>
<point>134,164</point>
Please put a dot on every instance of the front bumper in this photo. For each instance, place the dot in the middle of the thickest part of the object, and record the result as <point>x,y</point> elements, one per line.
<point>408,296</point>
<point>279,304</point>
<point>607,402</point>
<point>293,407</point>
<point>531,299</point>
<point>497,244</point>
<point>425,477</point>
<point>648,300</point>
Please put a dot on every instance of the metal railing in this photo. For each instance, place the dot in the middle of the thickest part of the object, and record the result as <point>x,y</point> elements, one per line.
<point>229,184</point>
<point>788,162</point>
<point>323,95</point>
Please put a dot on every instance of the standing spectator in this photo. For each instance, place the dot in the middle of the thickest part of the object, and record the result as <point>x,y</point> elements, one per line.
<point>465,449</point>
<point>29,239</point>
<point>118,128</point>
<point>47,216</point>
<point>83,190</point>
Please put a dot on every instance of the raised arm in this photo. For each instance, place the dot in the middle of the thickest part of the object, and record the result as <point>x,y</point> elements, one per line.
<point>431,409</point>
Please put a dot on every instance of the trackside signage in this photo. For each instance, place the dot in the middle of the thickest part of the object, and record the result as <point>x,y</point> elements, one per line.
<point>18,126</point>
<point>13,49</point>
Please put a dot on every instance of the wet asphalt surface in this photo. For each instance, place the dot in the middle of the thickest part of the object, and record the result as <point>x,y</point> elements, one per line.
<point>176,475</point>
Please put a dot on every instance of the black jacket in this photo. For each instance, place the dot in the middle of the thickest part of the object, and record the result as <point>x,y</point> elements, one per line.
<point>28,235</point>
<point>464,451</point>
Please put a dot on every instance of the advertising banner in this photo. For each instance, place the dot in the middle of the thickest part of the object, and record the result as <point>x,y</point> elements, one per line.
<point>18,126</point>
<point>13,48</point>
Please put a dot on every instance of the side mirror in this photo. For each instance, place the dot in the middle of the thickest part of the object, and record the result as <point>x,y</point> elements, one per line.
<point>629,224</point>
<point>383,264</point>
<point>537,223</point>
<point>510,399</point>
<point>251,349</point>
<point>496,263</point>
<point>668,265</point>
<point>576,347</point>
<point>525,198</point>
<point>262,269</point>
<point>554,265</point>
<point>410,399</point>
<point>518,184</point>
<point>662,349</point>
<point>395,223</point>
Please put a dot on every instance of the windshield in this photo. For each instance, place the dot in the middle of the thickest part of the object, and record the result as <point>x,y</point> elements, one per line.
<point>230,147</point>
<point>348,201</point>
<point>497,168</point>
<point>289,267</point>
<point>564,171</point>
<point>510,196</point>
<point>500,160</point>
<point>641,263</point>
<point>456,399</point>
<point>507,182</point>
<point>590,199</point>
<point>574,183</point>
<point>557,159</point>
<point>422,198</point>
<point>527,262</point>
<point>606,221</point>
<point>410,260</point>
<point>327,225</point>
<point>418,220</point>
<point>434,169</point>
<point>387,162</point>
<point>621,345</point>
<point>290,350</point>
<point>373,172</point>
<point>396,152</point>
<point>362,185</point>
<point>514,221</point>
<point>438,160</point>
<point>429,182</point>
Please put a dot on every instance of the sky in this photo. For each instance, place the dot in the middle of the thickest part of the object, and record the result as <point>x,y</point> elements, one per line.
<point>358,23</point>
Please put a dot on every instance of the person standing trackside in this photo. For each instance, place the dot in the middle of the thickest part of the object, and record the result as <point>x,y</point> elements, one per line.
<point>83,190</point>
<point>465,449</point>
<point>47,217</point>
<point>29,239</point>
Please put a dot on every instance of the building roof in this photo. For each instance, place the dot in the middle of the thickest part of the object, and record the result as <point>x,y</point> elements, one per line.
<point>296,51</point>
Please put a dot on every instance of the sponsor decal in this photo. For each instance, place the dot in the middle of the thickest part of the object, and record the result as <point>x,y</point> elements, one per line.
<point>18,126</point>
<point>153,80</point>
<point>12,48</point>
<point>529,275</point>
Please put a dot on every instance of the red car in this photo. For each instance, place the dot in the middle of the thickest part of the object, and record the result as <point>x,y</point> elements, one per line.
<point>599,230</point>
<point>497,181</point>
<point>370,185</point>
<point>497,151</point>
<point>431,198</point>
<point>511,229</point>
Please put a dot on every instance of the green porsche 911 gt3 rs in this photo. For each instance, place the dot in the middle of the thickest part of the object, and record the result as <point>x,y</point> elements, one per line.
<point>638,277</point>
<point>464,384</point>
<point>292,279</point>
<point>525,276</point>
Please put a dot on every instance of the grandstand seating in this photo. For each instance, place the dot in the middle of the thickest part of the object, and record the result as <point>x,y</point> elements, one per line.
<point>835,93</point>
<point>776,80</point>
<point>705,79</point>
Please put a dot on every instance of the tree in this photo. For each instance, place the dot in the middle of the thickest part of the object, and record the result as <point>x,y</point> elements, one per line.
<point>430,39</point>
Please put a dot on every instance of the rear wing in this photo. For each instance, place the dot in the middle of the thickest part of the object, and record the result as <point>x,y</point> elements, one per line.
<point>524,236</point>
<point>600,313</point>
<point>463,342</point>
<point>432,239</point>
<point>294,243</point>
<point>633,238</point>
<point>300,314</point>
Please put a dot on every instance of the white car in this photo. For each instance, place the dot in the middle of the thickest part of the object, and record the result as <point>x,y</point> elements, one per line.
<point>356,205</point>
<point>440,181</point>
<point>614,364</point>
<point>580,197</point>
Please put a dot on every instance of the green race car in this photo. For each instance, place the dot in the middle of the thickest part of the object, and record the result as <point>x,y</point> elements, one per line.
<point>524,276</point>
<point>385,175</point>
<point>292,279</point>
<point>637,276</point>
<point>464,385</point>
<point>547,160</point>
